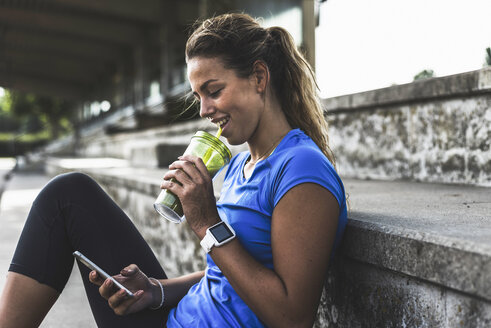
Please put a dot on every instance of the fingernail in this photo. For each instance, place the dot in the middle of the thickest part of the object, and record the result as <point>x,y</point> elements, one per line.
<point>108,282</point>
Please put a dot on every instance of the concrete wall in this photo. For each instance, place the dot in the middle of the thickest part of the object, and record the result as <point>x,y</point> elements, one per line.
<point>414,254</point>
<point>435,130</point>
<point>421,260</point>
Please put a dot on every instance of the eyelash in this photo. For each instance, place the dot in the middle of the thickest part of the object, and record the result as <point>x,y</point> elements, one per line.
<point>216,93</point>
<point>212,95</point>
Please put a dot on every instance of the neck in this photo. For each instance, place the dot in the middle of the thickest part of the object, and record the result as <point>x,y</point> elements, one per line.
<point>272,127</point>
<point>267,137</point>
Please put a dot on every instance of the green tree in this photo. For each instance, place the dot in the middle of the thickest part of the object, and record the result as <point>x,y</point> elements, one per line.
<point>8,122</point>
<point>424,74</point>
<point>488,57</point>
<point>40,112</point>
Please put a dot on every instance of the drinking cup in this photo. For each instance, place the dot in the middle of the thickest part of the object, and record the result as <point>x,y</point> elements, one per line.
<point>214,154</point>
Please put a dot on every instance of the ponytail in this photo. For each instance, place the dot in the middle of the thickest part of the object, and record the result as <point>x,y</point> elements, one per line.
<point>296,88</point>
<point>239,40</point>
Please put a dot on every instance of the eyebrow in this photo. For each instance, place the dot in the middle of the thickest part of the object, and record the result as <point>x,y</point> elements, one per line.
<point>204,85</point>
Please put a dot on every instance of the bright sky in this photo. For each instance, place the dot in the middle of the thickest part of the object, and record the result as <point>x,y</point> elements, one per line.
<point>369,44</point>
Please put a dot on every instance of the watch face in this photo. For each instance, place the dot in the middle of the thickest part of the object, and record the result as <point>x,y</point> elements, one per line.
<point>221,232</point>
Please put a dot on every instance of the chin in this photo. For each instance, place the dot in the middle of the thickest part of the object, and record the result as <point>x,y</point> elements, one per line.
<point>235,141</point>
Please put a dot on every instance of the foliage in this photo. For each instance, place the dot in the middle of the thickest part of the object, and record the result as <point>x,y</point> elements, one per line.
<point>26,137</point>
<point>36,114</point>
<point>488,56</point>
<point>424,74</point>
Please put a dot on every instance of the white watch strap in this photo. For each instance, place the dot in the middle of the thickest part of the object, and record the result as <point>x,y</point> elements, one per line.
<point>207,242</point>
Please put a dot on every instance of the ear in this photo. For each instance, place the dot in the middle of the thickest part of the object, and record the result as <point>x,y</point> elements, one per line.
<point>260,74</point>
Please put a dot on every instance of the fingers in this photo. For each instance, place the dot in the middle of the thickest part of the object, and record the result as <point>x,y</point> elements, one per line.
<point>181,177</point>
<point>130,270</point>
<point>107,289</point>
<point>95,278</point>
<point>189,170</point>
<point>198,163</point>
<point>118,299</point>
<point>122,303</point>
<point>172,185</point>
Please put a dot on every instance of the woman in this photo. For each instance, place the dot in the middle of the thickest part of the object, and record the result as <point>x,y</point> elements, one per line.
<point>283,198</point>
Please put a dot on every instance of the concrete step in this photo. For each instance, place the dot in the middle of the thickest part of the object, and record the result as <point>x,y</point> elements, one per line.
<point>415,254</point>
<point>152,148</point>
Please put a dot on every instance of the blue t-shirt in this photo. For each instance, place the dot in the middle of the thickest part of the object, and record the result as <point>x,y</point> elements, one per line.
<point>247,205</point>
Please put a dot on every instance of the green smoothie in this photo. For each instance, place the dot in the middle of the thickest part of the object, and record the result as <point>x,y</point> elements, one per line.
<point>214,154</point>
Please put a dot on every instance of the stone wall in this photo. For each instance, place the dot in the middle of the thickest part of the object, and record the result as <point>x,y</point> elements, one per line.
<point>436,130</point>
<point>369,296</point>
<point>174,244</point>
<point>421,260</point>
<point>414,254</point>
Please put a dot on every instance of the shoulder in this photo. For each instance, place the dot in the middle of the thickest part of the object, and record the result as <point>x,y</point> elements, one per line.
<point>301,161</point>
<point>300,151</point>
<point>304,161</point>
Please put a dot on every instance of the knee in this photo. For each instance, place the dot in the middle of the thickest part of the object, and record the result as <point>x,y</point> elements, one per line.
<point>67,183</point>
<point>73,179</point>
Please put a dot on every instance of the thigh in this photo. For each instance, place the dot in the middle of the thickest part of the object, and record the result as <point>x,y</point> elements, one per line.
<point>73,213</point>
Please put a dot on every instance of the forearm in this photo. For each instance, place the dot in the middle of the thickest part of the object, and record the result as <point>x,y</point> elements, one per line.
<point>262,289</point>
<point>176,288</point>
<point>287,296</point>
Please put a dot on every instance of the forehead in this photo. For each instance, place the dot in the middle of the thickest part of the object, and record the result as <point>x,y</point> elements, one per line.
<point>202,69</point>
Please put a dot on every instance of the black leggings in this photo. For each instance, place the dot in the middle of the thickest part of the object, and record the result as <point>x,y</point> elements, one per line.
<point>73,213</point>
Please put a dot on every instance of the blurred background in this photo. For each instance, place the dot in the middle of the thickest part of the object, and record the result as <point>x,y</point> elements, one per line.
<point>100,87</point>
<point>70,66</point>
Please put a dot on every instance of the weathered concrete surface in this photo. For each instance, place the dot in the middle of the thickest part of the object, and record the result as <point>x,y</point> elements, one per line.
<point>361,295</point>
<point>457,85</point>
<point>135,190</point>
<point>414,254</point>
<point>436,130</point>
<point>157,147</point>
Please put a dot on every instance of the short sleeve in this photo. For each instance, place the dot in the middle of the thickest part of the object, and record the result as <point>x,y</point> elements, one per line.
<point>306,165</point>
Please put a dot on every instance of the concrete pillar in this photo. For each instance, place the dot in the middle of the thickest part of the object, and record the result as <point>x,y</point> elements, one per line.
<point>203,8</point>
<point>308,30</point>
<point>164,60</point>
<point>139,77</point>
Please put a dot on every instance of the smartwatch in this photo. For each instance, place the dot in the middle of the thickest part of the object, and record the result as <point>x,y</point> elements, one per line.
<point>217,235</point>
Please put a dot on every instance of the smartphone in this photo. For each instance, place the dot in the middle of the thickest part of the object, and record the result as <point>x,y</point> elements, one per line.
<point>91,265</point>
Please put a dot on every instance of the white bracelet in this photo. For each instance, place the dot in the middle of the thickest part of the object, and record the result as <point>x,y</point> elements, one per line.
<point>161,293</point>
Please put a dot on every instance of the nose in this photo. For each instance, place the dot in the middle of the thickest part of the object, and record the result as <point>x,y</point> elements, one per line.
<point>206,109</point>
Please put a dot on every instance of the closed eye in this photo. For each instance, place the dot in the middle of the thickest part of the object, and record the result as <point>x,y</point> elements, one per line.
<point>216,93</point>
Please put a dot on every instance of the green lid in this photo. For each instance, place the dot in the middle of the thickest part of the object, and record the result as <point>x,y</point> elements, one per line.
<point>216,144</point>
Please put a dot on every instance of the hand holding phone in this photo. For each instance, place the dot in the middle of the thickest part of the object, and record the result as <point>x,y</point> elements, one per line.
<point>91,265</point>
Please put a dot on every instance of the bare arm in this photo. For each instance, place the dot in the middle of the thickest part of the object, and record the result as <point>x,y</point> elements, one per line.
<point>176,288</point>
<point>303,229</point>
<point>147,293</point>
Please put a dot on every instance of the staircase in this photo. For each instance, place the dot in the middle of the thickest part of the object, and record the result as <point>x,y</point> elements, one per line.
<point>416,162</point>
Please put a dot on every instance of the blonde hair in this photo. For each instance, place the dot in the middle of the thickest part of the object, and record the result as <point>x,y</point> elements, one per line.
<point>240,41</point>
